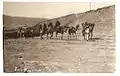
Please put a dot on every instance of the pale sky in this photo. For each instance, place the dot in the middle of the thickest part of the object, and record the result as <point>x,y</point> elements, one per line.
<point>49,9</point>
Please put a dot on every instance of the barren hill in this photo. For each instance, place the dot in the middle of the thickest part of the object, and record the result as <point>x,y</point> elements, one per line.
<point>98,15</point>
<point>13,22</point>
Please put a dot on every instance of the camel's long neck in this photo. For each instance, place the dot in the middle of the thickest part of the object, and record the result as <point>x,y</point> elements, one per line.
<point>91,27</point>
<point>76,28</point>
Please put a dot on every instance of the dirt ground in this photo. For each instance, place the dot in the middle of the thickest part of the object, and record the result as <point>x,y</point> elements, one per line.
<point>36,55</point>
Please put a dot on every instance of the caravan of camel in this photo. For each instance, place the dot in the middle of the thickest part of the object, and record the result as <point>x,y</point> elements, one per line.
<point>50,29</point>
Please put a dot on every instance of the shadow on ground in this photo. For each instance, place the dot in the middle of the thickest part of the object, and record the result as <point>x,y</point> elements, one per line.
<point>95,39</point>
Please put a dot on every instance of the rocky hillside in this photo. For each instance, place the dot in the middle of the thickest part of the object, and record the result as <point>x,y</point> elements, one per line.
<point>98,15</point>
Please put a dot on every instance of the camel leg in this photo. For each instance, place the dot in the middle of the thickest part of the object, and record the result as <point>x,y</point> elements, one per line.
<point>62,36</point>
<point>22,35</point>
<point>72,36</point>
<point>84,36</point>
<point>68,36</point>
<point>32,35</point>
<point>76,36</point>
<point>87,36</point>
<point>56,35</point>
<point>47,35</point>
<point>18,35</point>
<point>91,34</point>
<point>51,36</point>
<point>41,36</point>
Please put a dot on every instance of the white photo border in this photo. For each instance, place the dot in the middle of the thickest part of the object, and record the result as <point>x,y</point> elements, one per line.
<point>117,15</point>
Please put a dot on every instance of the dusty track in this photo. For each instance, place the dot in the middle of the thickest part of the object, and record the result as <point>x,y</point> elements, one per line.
<point>97,55</point>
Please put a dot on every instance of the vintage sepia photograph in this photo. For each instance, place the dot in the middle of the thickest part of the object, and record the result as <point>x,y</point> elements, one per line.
<point>65,37</point>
